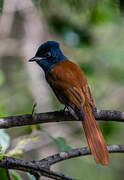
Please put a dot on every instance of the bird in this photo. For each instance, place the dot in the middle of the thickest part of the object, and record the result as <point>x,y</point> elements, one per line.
<point>71,87</point>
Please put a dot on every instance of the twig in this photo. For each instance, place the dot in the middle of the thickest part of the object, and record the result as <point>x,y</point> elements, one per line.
<point>43,165</point>
<point>31,167</point>
<point>57,116</point>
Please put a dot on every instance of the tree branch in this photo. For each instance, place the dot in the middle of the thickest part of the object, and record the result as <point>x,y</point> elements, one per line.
<point>31,167</point>
<point>76,153</point>
<point>43,166</point>
<point>57,116</point>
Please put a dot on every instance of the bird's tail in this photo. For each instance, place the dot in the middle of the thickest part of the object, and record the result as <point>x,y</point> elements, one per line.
<point>94,137</point>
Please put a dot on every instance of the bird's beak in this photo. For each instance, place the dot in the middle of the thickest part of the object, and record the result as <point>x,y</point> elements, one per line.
<point>37,59</point>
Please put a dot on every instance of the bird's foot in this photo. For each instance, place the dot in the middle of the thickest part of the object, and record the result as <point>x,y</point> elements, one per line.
<point>63,110</point>
<point>94,109</point>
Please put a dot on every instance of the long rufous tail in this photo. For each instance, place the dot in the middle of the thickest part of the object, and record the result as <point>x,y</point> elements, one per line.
<point>94,137</point>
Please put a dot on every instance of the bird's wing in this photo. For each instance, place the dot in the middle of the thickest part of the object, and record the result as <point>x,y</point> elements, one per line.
<point>66,84</point>
<point>72,98</point>
<point>88,94</point>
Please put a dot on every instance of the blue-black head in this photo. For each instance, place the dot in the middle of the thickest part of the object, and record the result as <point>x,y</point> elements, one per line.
<point>48,55</point>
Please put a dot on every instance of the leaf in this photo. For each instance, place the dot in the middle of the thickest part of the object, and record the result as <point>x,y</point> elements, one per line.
<point>15,175</point>
<point>62,145</point>
<point>1,156</point>
<point>3,174</point>
<point>4,140</point>
<point>31,177</point>
<point>60,142</point>
<point>0,148</point>
<point>19,150</point>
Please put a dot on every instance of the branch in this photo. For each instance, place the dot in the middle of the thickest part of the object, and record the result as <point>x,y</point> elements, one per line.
<point>43,166</point>
<point>31,167</point>
<point>57,116</point>
<point>78,152</point>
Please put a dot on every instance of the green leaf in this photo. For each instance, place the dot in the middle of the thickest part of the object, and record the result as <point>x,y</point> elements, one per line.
<point>60,142</point>
<point>15,175</point>
<point>0,148</point>
<point>31,177</point>
<point>62,145</point>
<point>19,149</point>
<point>4,140</point>
<point>1,156</point>
<point>3,174</point>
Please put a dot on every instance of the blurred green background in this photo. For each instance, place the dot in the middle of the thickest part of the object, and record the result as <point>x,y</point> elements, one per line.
<point>91,34</point>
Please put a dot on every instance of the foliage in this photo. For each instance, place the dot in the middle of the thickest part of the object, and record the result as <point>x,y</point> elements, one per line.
<point>3,174</point>
<point>61,143</point>
<point>15,175</point>
<point>31,177</point>
<point>4,140</point>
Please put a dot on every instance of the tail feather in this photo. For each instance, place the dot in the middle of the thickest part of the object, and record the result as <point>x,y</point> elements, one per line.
<point>94,137</point>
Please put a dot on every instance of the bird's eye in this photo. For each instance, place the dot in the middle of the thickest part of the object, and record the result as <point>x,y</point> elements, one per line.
<point>48,54</point>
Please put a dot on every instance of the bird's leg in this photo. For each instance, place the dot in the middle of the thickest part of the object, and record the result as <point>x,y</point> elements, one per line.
<point>81,114</point>
<point>72,112</point>
<point>94,110</point>
<point>63,110</point>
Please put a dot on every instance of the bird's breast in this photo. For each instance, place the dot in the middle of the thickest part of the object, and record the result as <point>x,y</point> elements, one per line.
<point>66,74</point>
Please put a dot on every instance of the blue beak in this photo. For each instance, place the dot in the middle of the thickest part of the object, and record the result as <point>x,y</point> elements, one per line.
<point>37,59</point>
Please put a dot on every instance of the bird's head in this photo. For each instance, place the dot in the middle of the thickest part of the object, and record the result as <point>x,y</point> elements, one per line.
<point>48,54</point>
